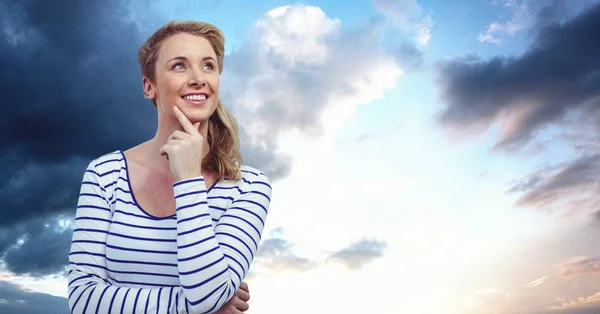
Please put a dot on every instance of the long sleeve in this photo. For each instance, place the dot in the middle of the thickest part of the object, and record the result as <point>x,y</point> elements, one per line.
<point>211,262</point>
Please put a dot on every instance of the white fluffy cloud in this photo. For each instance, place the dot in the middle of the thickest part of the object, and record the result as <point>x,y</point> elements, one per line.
<point>497,31</point>
<point>300,71</point>
<point>408,16</point>
<point>297,35</point>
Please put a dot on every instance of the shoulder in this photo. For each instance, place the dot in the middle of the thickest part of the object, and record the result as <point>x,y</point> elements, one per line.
<point>251,174</point>
<point>105,170</point>
<point>107,162</point>
<point>254,179</point>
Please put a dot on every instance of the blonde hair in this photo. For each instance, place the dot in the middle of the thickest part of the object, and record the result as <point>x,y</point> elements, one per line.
<point>224,156</point>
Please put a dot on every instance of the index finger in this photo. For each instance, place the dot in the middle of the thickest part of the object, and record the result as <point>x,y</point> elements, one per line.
<point>185,122</point>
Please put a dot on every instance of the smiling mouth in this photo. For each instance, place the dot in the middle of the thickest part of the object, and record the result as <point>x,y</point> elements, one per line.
<point>195,98</point>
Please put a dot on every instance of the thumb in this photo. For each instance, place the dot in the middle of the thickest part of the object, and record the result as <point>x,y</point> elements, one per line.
<point>196,125</point>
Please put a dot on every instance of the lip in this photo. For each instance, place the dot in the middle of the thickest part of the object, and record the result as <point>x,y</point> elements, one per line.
<point>196,102</point>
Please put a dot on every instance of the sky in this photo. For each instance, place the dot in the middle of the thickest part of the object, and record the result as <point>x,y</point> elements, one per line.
<point>426,157</point>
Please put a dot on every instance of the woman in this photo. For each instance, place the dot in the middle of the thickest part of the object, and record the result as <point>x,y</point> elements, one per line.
<point>173,224</point>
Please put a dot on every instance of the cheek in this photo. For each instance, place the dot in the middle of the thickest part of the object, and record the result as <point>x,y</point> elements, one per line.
<point>174,84</point>
<point>214,84</point>
<point>168,85</point>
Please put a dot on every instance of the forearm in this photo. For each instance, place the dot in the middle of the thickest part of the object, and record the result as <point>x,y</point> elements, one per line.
<point>94,296</point>
<point>205,275</point>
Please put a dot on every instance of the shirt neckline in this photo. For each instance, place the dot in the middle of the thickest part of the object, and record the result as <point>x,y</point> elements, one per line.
<point>138,204</point>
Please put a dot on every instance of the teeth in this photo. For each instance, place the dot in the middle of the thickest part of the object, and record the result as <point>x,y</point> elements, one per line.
<point>195,97</point>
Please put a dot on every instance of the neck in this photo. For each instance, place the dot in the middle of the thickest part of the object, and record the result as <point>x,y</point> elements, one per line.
<point>165,128</point>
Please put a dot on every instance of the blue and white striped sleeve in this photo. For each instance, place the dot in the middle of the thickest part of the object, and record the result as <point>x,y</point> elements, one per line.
<point>87,276</point>
<point>213,262</point>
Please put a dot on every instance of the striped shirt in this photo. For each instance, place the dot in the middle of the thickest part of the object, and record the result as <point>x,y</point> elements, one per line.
<point>124,260</point>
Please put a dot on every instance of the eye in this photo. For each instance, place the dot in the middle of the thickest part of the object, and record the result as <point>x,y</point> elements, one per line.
<point>208,67</point>
<point>178,66</point>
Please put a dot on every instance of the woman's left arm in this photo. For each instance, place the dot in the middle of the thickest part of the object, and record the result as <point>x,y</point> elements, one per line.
<point>213,263</point>
<point>239,229</point>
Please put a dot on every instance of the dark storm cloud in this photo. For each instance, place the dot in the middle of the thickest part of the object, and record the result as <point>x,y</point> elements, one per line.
<point>556,82</point>
<point>360,253</point>
<point>70,81</point>
<point>71,91</point>
<point>557,75</point>
<point>548,14</point>
<point>70,87</point>
<point>14,300</point>
<point>37,247</point>
<point>40,189</point>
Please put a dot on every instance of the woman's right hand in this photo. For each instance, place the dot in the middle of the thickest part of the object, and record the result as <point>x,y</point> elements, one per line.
<point>238,303</point>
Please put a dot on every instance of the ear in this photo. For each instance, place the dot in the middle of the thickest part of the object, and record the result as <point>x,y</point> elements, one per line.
<point>149,89</point>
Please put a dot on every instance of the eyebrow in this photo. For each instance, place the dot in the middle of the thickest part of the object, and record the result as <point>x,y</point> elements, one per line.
<point>184,58</point>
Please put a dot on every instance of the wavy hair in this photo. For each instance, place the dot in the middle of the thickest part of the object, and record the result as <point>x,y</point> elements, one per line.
<point>224,156</point>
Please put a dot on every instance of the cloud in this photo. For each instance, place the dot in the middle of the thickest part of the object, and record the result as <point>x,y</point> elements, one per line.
<point>596,218</point>
<point>555,77</point>
<point>580,265</point>
<point>36,247</point>
<point>494,301</point>
<point>408,16</point>
<point>81,97</point>
<point>39,189</point>
<point>400,11</point>
<point>553,12</point>
<point>570,310</point>
<point>408,56</point>
<point>359,253</point>
<point>570,186</point>
<point>15,300</point>
<point>275,254</point>
<point>589,303</point>
<point>423,30</point>
<point>496,31</point>
<point>68,107</point>
<point>536,282</point>
<point>275,88</point>
<point>529,271</point>
<point>69,97</point>
<point>554,85</point>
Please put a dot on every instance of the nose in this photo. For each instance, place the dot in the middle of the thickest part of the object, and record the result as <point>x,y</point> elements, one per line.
<point>196,79</point>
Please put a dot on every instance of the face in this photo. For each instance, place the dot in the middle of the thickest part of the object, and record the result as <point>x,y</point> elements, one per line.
<point>187,76</point>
